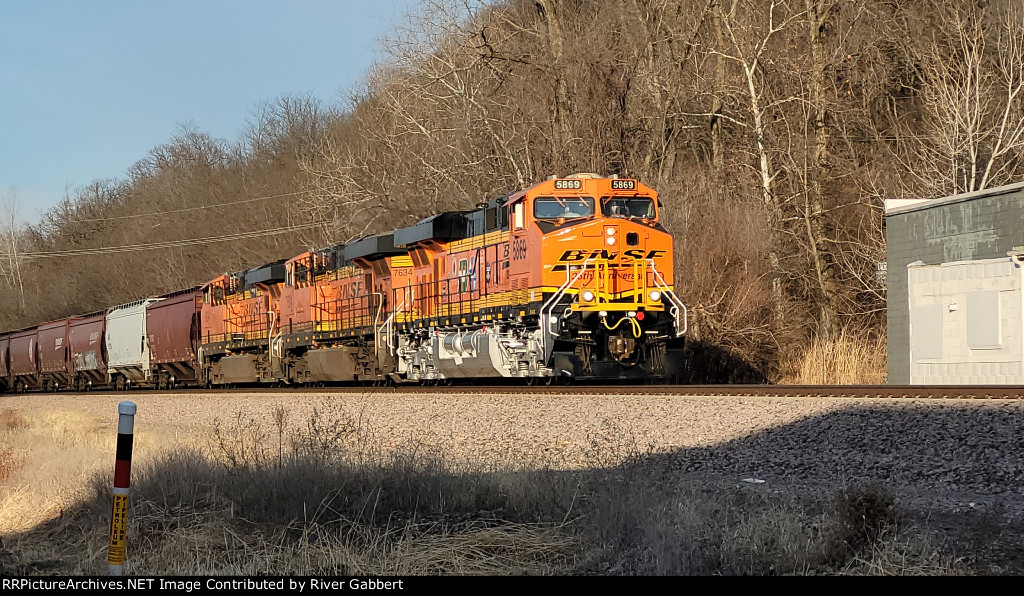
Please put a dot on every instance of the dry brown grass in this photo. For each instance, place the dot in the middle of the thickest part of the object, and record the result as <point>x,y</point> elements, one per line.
<point>223,545</point>
<point>12,420</point>
<point>9,463</point>
<point>40,453</point>
<point>327,497</point>
<point>12,423</point>
<point>901,556</point>
<point>848,358</point>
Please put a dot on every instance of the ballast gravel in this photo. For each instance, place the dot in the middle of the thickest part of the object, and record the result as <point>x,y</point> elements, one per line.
<point>935,456</point>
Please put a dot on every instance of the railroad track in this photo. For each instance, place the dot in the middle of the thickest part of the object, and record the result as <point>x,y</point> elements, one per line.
<point>832,391</point>
<point>846,391</point>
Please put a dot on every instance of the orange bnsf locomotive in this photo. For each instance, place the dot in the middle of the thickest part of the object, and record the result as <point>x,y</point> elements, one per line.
<point>569,279</point>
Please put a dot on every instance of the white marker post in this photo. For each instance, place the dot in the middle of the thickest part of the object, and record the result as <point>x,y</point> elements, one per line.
<point>122,477</point>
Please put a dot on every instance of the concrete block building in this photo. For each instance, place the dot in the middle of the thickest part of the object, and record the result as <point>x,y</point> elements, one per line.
<point>955,301</point>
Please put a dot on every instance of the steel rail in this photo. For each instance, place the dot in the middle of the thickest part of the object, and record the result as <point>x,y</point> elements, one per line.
<point>927,392</point>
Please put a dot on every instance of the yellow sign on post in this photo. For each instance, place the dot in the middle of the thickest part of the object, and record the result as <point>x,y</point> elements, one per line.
<point>118,525</point>
<point>122,482</point>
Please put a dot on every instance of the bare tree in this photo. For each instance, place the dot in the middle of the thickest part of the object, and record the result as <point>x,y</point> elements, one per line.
<point>11,239</point>
<point>974,100</point>
<point>748,36</point>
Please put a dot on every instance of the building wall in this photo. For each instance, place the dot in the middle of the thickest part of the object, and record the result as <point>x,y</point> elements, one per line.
<point>965,323</point>
<point>982,225</point>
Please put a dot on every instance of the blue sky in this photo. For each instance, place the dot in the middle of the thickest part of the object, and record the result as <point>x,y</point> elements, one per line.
<point>89,88</point>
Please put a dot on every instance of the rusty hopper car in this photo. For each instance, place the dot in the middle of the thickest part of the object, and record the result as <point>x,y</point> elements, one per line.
<point>24,365</point>
<point>88,352</point>
<point>128,355</point>
<point>54,356</point>
<point>173,325</point>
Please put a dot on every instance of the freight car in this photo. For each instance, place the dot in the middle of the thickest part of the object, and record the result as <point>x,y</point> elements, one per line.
<point>54,365</point>
<point>88,357</point>
<point>172,333</point>
<point>23,360</point>
<point>571,278</point>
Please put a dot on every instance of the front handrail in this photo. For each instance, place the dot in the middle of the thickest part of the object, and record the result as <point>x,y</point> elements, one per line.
<point>678,309</point>
<point>545,323</point>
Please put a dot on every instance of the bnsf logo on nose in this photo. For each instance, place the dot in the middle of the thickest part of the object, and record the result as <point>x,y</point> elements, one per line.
<point>597,253</point>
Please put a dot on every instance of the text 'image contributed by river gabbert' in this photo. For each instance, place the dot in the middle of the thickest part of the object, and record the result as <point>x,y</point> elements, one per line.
<point>195,585</point>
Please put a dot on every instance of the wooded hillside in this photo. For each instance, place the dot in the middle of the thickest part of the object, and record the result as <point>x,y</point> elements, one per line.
<point>773,132</point>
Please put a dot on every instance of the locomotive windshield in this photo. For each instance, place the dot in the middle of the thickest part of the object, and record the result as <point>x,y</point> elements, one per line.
<point>628,207</point>
<point>564,207</point>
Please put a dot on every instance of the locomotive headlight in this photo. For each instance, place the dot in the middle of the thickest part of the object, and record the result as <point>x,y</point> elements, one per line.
<point>611,240</point>
<point>588,296</point>
<point>610,231</point>
<point>655,295</point>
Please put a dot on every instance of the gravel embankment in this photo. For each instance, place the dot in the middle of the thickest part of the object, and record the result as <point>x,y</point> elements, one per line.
<point>940,457</point>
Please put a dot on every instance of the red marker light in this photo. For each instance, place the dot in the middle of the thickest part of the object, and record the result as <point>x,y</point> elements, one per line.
<point>640,316</point>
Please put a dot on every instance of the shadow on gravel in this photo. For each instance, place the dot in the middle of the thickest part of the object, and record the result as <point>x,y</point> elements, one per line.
<point>913,488</point>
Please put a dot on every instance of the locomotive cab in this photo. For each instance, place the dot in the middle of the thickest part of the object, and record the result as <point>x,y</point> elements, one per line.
<point>596,251</point>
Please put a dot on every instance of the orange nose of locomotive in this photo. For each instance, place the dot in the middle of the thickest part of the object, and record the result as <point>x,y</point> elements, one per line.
<point>617,265</point>
<point>619,258</point>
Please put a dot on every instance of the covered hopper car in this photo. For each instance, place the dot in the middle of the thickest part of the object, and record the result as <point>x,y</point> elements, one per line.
<point>88,357</point>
